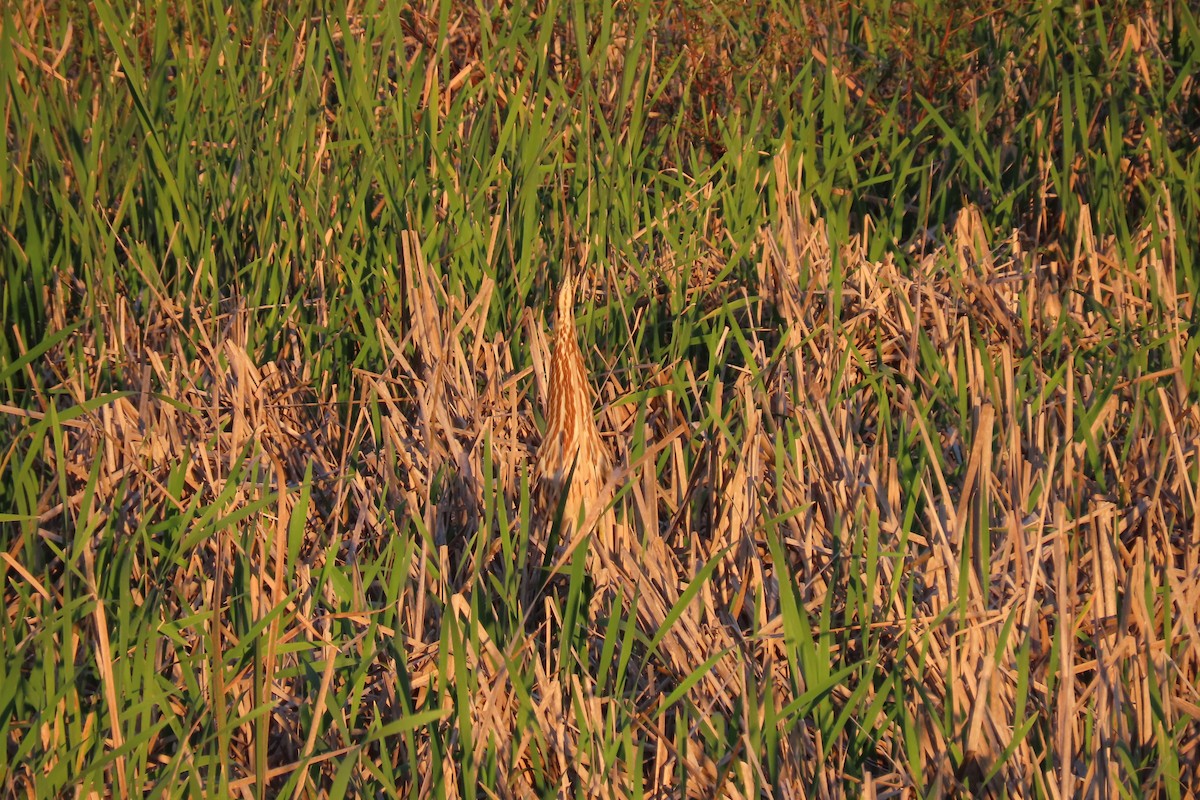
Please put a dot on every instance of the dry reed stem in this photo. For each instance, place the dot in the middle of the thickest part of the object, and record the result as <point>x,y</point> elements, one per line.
<point>209,417</point>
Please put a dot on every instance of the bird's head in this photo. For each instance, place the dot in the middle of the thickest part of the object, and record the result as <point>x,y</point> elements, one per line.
<point>565,305</point>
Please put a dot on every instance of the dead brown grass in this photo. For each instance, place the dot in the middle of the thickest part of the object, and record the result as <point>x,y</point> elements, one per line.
<point>811,463</point>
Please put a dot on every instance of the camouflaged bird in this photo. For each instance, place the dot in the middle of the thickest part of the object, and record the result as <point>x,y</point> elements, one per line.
<point>573,464</point>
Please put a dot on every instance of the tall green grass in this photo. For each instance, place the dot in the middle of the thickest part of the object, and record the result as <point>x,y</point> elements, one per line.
<point>252,173</point>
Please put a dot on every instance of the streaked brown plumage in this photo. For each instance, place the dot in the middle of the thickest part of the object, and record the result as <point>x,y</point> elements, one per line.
<point>572,456</point>
<point>647,571</point>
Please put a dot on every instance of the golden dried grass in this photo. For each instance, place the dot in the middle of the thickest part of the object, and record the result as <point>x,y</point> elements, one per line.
<point>803,471</point>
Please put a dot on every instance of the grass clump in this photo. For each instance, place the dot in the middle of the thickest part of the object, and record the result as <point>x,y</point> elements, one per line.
<point>891,311</point>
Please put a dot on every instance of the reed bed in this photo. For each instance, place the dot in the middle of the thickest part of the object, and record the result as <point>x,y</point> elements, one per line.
<point>902,402</point>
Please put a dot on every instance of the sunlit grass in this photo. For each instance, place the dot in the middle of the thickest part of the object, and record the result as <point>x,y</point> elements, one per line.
<point>891,311</point>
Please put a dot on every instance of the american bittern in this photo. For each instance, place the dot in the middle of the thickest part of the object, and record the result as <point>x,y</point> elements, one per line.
<point>572,457</point>
<point>573,470</point>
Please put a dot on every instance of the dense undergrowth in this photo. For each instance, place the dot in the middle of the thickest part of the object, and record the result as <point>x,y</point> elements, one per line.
<point>890,308</point>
